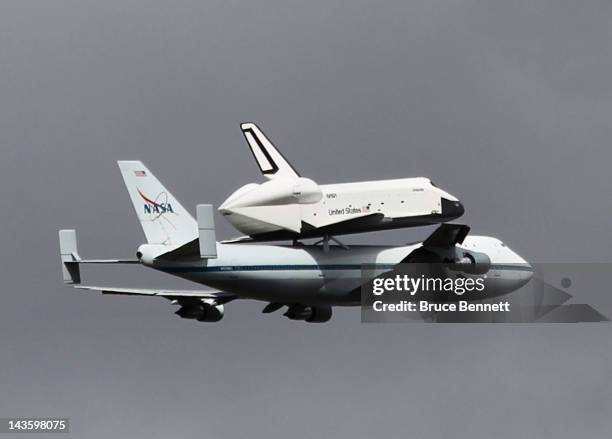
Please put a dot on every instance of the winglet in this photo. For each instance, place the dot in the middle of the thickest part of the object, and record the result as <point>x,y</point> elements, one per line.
<point>70,256</point>
<point>271,162</point>
<point>206,231</point>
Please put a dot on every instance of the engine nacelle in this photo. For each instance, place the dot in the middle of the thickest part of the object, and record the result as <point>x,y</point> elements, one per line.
<point>212,313</point>
<point>320,314</point>
<point>310,314</point>
<point>202,312</point>
<point>471,262</point>
<point>455,259</point>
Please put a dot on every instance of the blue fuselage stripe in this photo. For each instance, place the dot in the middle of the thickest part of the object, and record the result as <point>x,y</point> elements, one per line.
<point>234,268</point>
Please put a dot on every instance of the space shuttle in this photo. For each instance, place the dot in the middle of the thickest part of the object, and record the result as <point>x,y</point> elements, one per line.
<point>289,206</point>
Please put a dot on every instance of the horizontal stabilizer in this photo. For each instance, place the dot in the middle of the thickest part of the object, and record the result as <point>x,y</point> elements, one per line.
<point>71,260</point>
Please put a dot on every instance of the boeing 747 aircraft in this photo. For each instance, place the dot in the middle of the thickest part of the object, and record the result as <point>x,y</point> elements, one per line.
<point>306,279</point>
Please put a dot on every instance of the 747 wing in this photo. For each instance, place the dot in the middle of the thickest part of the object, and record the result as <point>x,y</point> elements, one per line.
<point>201,305</point>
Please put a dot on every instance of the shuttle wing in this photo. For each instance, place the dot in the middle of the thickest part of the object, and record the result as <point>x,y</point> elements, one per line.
<point>271,162</point>
<point>356,223</point>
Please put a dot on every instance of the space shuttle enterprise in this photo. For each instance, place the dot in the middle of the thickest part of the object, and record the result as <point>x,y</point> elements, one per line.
<point>289,206</point>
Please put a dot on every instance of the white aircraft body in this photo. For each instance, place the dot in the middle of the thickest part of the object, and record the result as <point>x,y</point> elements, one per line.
<point>289,206</point>
<point>308,279</point>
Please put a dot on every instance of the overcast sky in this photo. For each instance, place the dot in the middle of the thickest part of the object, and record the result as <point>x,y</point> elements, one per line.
<point>505,104</point>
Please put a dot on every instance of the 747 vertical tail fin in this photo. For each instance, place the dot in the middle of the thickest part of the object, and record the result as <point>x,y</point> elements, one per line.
<point>163,219</point>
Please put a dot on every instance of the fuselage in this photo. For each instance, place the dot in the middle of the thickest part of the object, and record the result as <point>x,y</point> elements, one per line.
<point>307,274</point>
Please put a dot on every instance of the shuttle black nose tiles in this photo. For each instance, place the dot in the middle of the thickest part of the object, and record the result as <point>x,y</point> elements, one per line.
<point>452,209</point>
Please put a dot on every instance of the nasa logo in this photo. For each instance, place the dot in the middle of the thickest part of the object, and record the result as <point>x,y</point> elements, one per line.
<point>154,207</point>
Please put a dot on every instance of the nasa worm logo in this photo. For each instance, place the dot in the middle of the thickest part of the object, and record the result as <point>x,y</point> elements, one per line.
<point>158,206</point>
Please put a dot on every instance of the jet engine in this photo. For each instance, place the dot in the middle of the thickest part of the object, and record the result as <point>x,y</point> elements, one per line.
<point>310,314</point>
<point>202,312</point>
<point>471,262</point>
<point>456,259</point>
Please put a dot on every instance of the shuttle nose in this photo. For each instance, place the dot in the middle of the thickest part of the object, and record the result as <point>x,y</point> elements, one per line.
<point>452,209</point>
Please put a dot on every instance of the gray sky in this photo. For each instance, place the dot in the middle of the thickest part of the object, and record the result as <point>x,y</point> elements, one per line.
<point>505,104</point>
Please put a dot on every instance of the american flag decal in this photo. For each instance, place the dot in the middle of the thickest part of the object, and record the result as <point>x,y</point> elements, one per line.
<point>140,173</point>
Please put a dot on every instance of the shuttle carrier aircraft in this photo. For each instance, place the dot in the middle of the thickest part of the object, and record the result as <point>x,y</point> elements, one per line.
<point>307,280</point>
